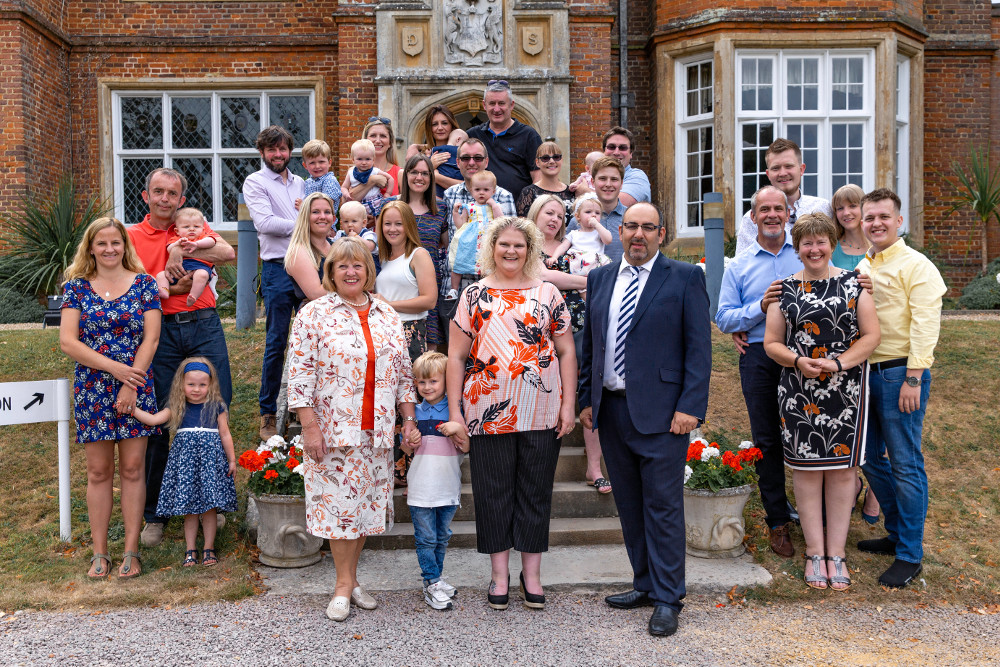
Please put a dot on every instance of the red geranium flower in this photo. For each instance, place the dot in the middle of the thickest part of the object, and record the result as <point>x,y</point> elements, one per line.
<point>291,463</point>
<point>271,474</point>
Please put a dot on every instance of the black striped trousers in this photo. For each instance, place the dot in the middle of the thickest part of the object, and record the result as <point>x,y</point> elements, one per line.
<point>512,476</point>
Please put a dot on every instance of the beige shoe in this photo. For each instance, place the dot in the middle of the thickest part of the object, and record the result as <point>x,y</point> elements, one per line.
<point>268,427</point>
<point>361,598</point>
<point>151,535</point>
<point>339,609</point>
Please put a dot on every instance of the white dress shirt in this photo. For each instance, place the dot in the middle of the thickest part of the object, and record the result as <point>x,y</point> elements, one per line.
<point>612,380</point>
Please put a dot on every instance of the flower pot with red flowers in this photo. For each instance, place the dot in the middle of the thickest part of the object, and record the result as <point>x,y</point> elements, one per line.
<point>717,483</point>
<point>278,491</point>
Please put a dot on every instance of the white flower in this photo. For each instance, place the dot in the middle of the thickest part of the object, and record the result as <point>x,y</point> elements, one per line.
<point>746,444</point>
<point>998,277</point>
<point>297,469</point>
<point>701,441</point>
<point>687,473</point>
<point>275,441</point>
<point>708,453</point>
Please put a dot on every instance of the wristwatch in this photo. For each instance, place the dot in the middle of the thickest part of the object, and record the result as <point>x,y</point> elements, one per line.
<point>409,419</point>
<point>912,381</point>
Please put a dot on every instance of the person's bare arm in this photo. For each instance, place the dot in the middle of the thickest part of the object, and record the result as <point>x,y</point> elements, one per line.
<point>626,199</point>
<point>301,270</point>
<point>566,354</point>
<point>775,347</point>
<point>77,350</point>
<point>870,337</point>
<point>562,280</point>
<point>603,233</point>
<point>423,269</point>
<point>227,441</point>
<point>152,419</point>
<point>459,345</point>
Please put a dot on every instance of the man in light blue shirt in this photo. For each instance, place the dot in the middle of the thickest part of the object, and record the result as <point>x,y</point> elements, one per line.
<point>745,295</point>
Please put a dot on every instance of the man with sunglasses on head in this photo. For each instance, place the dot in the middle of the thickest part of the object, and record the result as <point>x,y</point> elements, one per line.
<point>472,158</point>
<point>510,144</point>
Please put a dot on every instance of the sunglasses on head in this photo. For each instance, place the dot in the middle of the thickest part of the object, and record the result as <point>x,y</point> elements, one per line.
<point>545,158</point>
<point>381,119</point>
<point>498,82</point>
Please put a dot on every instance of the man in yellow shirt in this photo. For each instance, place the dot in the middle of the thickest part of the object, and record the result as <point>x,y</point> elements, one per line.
<point>907,291</point>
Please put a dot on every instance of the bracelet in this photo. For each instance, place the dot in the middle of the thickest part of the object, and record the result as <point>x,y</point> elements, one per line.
<point>840,368</point>
<point>795,364</point>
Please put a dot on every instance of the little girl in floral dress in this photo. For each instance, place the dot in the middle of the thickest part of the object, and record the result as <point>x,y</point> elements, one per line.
<point>198,480</point>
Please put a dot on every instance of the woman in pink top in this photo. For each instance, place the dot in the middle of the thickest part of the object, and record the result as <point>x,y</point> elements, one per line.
<point>511,376</point>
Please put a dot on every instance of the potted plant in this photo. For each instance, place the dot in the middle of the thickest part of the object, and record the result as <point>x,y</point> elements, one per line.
<point>717,483</point>
<point>278,491</point>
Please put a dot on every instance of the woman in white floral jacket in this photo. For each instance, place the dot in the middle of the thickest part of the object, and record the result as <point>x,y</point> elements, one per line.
<point>349,370</point>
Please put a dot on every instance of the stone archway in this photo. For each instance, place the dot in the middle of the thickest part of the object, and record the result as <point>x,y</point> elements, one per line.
<point>468,110</point>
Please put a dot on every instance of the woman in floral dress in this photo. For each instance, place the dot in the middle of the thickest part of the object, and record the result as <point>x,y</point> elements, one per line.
<point>549,215</point>
<point>822,330</point>
<point>511,379</point>
<point>110,326</point>
<point>348,373</point>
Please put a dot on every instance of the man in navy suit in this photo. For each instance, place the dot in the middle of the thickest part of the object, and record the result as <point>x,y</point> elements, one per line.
<point>647,359</point>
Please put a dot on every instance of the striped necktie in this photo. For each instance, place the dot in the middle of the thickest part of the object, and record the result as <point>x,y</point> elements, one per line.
<point>625,313</point>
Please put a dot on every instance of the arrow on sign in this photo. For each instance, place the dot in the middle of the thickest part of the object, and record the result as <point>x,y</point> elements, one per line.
<point>39,398</point>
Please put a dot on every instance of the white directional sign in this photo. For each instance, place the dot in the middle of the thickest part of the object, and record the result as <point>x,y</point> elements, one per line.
<point>32,402</point>
<point>45,401</point>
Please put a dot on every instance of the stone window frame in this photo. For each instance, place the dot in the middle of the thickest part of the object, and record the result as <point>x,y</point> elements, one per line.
<point>111,89</point>
<point>889,42</point>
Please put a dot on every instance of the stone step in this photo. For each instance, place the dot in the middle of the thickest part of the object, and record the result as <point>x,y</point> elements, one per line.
<point>570,500</point>
<point>562,532</point>
<point>572,465</point>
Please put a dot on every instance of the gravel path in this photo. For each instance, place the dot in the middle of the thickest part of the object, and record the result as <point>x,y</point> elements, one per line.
<point>575,629</point>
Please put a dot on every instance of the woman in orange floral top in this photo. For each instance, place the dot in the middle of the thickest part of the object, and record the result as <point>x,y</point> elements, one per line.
<point>511,356</point>
<point>348,371</point>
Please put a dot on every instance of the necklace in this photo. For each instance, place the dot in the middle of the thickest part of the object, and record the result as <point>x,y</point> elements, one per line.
<point>109,284</point>
<point>808,280</point>
<point>357,305</point>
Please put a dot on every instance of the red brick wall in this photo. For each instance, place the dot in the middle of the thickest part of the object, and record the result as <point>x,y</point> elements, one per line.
<point>12,149</point>
<point>994,237</point>
<point>641,81</point>
<point>356,92</point>
<point>594,80</point>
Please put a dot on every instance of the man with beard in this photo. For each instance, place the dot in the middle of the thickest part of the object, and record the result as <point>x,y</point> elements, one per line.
<point>647,341</point>
<point>748,288</point>
<point>270,196</point>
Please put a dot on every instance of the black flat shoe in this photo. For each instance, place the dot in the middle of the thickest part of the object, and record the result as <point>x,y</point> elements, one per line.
<point>899,574</point>
<point>531,601</point>
<point>629,600</point>
<point>883,546</point>
<point>498,602</point>
<point>663,622</point>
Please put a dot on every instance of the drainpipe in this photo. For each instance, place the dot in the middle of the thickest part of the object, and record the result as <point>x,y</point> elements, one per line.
<point>624,101</point>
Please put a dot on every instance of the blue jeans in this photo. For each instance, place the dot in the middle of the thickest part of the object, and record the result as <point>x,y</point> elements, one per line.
<point>899,482</point>
<point>279,304</point>
<point>179,341</point>
<point>431,532</point>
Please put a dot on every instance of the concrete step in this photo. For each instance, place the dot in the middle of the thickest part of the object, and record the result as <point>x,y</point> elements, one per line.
<point>570,500</point>
<point>562,532</point>
<point>572,465</point>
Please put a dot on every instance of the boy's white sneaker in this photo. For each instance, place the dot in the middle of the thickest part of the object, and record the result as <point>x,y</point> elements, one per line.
<point>451,294</point>
<point>448,589</point>
<point>436,598</point>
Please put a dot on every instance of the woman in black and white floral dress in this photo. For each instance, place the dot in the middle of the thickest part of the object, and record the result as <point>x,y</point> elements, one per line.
<point>822,330</point>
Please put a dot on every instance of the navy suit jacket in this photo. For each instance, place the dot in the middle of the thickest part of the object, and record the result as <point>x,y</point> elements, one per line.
<point>668,350</point>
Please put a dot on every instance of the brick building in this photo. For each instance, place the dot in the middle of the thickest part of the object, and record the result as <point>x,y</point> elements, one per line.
<point>878,92</point>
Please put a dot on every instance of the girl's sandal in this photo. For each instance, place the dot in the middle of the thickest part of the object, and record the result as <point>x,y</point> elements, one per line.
<point>209,559</point>
<point>840,567</point>
<point>814,580</point>
<point>128,570</point>
<point>190,558</point>
<point>100,571</point>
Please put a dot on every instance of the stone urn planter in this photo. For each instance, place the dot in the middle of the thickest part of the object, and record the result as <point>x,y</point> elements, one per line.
<point>713,522</point>
<point>281,532</point>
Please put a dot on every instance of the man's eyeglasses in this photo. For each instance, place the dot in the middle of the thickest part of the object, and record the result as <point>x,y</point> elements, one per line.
<point>617,147</point>
<point>381,119</point>
<point>471,158</point>
<point>647,228</point>
<point>546,158</point>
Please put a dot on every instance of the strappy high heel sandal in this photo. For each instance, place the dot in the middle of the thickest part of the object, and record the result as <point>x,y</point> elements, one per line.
<point>840,567</point>
<point>813,580</point>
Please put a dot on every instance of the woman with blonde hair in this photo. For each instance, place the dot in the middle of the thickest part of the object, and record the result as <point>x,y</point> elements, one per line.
<point>549,159</point>
<point>851,242</point>
<point>308,245</point>
<point>111,326</point>
<point>348,376</point>
<point>510,380</point>
<point>378,130</point>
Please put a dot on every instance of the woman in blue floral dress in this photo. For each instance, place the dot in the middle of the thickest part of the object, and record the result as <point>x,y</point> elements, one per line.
<point>110,326</point>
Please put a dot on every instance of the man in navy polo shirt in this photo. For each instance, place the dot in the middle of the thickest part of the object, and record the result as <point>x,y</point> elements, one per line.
<point>510,144</point>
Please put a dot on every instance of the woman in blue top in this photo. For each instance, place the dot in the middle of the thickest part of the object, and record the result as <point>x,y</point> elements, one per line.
<point>851,243</point>
<point>110,326</point>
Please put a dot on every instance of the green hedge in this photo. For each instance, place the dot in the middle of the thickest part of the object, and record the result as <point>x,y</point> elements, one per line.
<point>16,308</point>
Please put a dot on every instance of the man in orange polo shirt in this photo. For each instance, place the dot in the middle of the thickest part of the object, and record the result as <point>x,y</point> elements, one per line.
<point>186,330</point>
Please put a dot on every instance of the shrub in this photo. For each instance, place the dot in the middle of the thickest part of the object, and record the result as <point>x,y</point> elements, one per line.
<point>16,308</point>
<point>983,293</point>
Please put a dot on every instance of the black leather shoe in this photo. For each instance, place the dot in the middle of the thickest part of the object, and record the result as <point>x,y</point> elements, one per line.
<point>663,622</point>
<point>899,574</point>
<point>531,600</point>
<point>630,600</point>
<point>882,546</point>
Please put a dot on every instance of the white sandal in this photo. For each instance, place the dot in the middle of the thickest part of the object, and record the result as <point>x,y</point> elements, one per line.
<point>339,608</point>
